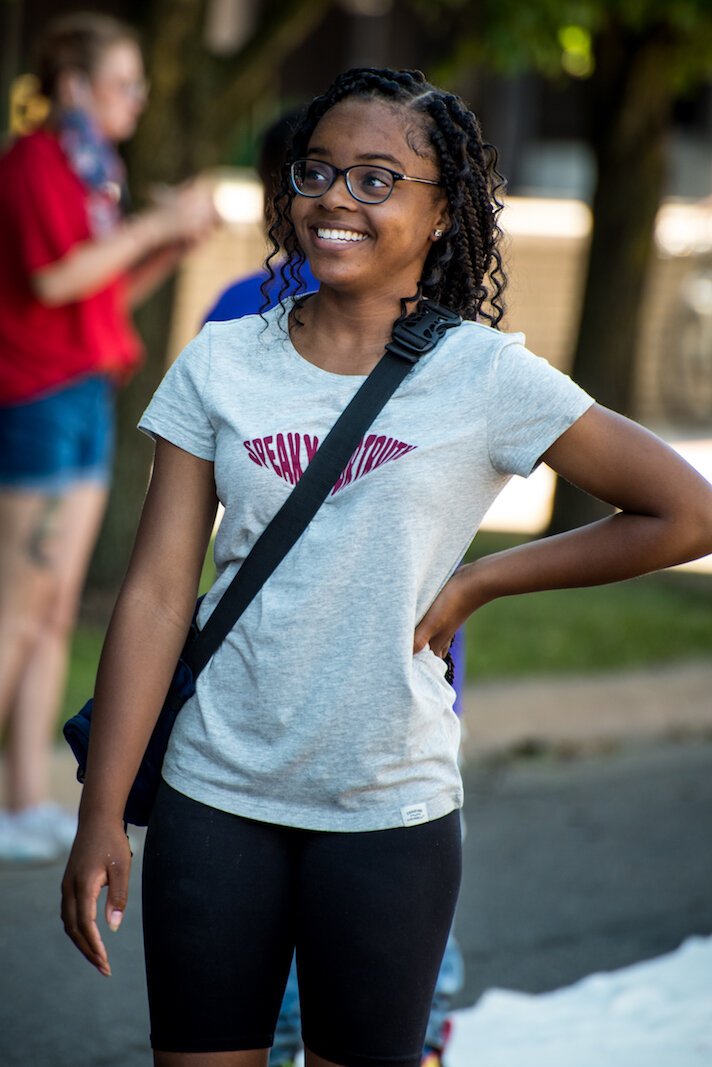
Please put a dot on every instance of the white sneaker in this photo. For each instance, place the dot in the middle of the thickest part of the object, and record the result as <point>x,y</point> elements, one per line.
<point>18,845</point>
<point>49,821</point>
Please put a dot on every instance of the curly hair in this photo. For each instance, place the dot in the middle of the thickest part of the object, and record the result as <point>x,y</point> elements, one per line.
<point>464,269</point>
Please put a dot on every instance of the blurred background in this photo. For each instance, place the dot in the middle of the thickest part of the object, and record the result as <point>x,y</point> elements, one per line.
<point>602,114</point>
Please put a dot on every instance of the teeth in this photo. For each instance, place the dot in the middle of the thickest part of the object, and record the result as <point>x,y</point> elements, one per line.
<point>340,235</point>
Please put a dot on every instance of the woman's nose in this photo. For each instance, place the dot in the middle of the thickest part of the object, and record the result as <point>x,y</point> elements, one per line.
<point>338,195</point>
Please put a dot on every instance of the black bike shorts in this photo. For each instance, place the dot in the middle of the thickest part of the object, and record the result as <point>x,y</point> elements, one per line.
<point>226,900</point>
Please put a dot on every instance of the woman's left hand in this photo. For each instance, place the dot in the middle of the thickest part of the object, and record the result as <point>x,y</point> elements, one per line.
<point>444,616</point>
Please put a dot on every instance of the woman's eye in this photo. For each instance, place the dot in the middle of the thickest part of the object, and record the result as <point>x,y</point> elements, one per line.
<point>315,174</point>
<point>375,180</point>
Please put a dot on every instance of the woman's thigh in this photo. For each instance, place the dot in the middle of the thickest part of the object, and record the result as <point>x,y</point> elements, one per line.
<point>218,905</point>
<point>375,911</point>
<point>78,521</point>
<point>45,546</point>
<point>27,583</point>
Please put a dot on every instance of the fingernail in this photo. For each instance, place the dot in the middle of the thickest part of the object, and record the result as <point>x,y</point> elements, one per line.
<point>115,920</point>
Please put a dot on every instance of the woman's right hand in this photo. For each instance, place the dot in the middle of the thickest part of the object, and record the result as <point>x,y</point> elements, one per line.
<point>186,213</point>
<point>100,856</point>
<point>180,218</point>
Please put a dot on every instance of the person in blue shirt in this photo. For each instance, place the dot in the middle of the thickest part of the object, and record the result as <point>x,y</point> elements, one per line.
<point>246,296</point>
<point>251,295</point>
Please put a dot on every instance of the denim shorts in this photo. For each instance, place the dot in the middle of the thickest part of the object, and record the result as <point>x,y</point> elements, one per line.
<point>65,437</point>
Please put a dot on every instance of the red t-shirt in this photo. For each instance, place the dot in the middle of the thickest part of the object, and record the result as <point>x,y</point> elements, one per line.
<point>43,214</point>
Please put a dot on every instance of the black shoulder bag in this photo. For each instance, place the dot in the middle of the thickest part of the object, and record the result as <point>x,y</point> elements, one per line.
<point>412,338</point>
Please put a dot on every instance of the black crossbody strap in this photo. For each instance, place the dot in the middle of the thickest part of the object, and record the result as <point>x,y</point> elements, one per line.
<point>412,338</point>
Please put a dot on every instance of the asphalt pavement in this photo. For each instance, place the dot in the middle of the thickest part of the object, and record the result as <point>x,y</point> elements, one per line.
<point>580,855</point>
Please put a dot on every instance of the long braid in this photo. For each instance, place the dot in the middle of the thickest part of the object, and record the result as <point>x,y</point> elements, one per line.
<point>472,183</point>
<point>464,268</point>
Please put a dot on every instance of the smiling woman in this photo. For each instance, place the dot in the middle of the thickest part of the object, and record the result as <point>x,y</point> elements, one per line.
<point>311,789</point>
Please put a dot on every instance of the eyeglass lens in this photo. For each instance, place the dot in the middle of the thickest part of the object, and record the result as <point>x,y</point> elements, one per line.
<point>369,184</point>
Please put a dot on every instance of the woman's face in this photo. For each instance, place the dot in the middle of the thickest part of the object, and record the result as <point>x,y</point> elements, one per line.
<point>371,248</point>
<point>117,91</point>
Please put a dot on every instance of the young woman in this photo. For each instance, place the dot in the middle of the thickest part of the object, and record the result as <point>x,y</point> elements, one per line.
<point>249,296</point>
<point>70,268</point>
<point>312,800</point>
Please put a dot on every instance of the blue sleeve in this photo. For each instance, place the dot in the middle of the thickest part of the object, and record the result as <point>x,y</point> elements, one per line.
<point>242,298</point>
<point>245,297</point>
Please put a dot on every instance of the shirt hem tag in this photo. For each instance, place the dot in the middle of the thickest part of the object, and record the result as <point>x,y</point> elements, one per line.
<point>414,814</point>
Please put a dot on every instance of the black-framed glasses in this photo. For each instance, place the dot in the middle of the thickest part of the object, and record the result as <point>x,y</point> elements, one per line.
<point>366,183</point>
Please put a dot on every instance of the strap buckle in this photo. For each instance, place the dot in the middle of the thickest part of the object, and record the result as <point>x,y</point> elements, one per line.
<point>419,333</point>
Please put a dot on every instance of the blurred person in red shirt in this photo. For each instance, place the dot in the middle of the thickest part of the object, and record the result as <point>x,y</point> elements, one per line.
<point>71,267</point>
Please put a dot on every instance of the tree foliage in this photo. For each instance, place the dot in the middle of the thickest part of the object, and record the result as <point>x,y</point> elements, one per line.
<point>199,99</point>
<point>638,56</point>
<point>513,36</point>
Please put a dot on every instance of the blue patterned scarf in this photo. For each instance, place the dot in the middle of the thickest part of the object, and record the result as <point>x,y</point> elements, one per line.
<point>98,166</point>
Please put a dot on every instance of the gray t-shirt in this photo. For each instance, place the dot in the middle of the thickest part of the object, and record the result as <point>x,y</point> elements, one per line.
<point>314,712</point>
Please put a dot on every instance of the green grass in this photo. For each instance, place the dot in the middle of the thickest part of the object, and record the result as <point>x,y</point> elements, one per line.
<point>657,619</point>
<point>660,618</point>
<point>86,647</point>
<point>650,620</point>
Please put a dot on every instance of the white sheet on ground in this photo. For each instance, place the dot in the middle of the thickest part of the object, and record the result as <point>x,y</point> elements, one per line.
<point>657,1013</point>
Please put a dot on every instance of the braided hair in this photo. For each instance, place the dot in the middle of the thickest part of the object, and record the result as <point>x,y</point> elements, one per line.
<point>464,269</point>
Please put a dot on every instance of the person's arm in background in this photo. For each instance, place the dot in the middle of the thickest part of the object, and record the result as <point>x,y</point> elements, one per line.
<point>150,242</point>
<point>664,518</point>
<point>154,269</point>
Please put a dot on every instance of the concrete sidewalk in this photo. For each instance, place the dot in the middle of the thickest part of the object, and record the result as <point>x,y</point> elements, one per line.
<point>583,714</point>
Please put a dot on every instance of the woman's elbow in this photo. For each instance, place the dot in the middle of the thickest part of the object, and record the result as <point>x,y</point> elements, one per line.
<point>694,526</point>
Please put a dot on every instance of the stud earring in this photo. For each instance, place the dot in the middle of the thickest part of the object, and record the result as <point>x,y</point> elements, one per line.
<point>437,234</point>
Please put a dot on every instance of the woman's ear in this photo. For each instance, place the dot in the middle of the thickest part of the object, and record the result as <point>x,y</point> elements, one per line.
<point>442,224</point>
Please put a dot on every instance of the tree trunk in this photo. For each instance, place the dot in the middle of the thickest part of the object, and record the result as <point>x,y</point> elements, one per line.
<point>134,450</point>
<point>158,153</point>
<point>196,103</point>
<point>632,100</point>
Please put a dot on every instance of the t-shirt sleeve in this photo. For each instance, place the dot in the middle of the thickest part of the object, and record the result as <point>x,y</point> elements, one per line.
<point>178,411</point>
<point>530,405</point>
<point>48,210</point>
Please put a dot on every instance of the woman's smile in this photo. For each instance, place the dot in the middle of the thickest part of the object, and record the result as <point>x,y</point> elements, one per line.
<point>340,236</point>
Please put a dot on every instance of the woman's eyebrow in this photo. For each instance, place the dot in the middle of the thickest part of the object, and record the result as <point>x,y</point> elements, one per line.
<point>371,156</point>
<point>368,157</point>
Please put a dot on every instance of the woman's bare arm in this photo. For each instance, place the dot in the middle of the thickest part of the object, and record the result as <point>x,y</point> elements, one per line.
<point>145,637</point>
<point>665,518</point>
<point>187,214</point>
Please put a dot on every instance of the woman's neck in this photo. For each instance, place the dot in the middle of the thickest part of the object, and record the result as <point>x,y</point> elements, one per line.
<point>343,333</point>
